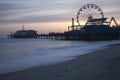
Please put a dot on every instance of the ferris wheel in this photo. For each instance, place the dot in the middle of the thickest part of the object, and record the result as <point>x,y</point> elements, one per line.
<point>88,11</point>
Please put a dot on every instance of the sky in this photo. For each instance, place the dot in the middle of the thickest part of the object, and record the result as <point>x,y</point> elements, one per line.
<point>47,15</point>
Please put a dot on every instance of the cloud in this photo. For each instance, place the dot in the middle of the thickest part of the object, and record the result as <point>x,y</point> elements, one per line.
<point>15,11</point>
<point>25,10</point>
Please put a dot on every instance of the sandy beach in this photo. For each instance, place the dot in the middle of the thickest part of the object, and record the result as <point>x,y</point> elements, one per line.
<point>99,65</point>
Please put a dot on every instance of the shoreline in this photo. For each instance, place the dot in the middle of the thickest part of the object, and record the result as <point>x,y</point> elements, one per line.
<point>102,64</point>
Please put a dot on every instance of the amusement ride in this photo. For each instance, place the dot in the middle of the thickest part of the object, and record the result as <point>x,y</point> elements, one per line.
<point>90,14</point>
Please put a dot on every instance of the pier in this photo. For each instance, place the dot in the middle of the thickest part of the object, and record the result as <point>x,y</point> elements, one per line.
<point>91,26</point>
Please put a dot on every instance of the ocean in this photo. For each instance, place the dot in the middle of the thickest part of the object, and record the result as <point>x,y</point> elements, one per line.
<point>20,54</point>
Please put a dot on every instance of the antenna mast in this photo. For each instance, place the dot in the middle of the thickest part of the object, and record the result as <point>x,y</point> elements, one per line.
<point>23,28</point>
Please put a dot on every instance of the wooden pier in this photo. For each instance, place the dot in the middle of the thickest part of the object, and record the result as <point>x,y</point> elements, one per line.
<point>81,36</point>
<point>57,36</point>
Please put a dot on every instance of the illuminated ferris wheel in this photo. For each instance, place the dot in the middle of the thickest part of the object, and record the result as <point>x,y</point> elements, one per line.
<point>88,12</point>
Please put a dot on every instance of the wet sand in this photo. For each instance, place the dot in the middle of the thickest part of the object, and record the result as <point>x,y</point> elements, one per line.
<point>99,65</point>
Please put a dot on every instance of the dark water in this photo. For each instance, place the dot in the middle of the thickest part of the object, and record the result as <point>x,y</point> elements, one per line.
<point>19,54</point>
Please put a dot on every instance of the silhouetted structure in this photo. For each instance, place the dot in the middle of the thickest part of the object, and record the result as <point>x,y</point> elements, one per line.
<point>95,25</point>
<point>92,25</point>
<point>24,34</point>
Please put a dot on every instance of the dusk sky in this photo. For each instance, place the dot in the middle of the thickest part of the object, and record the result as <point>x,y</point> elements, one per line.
<point>47,15</point>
